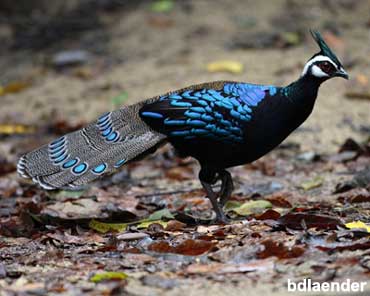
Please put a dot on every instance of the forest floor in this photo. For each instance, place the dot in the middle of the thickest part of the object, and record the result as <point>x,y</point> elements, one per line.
<point>146,230</point>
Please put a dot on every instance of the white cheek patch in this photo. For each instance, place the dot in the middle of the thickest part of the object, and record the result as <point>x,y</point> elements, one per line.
<point>319,58</point>
<point>317,72</point>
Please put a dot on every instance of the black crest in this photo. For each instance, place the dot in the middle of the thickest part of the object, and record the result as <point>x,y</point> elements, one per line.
<point>325,49</point>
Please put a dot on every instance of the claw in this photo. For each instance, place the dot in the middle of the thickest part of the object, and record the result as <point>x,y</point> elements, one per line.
<point>222,219</point>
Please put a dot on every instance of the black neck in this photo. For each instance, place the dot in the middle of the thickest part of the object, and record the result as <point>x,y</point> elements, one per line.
<point>305,88</point>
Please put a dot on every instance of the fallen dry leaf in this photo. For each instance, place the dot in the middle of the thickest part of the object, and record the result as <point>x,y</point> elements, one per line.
<point>180,173</point>
<point>15,129</point>
<point>220,268</point>
<point>108,276</point>
<point>278,200</point>
<point>107,227</point>
<point>14,87</point>
<point>132,236</point>
<point>79,209</point>
<point>268,215</point>
<point>174,225</point>
<point>298,221</point>
<point>252,207</point>
<point>311,184</point>
<point>358,225</point>
<point>147,224</point>
<point>363,244</point>
<point>279,250</point>
<point>225,66</point>
<point>188,247</point>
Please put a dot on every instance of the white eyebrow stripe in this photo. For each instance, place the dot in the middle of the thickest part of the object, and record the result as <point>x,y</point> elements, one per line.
<point>319,58</point>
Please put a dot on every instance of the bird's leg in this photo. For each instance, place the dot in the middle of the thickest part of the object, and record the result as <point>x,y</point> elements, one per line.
<point>207,178</point>
<point>227,187</point>
<point>220,216</point>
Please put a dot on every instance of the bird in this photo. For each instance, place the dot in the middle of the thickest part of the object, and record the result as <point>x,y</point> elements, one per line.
<point>221,124</point>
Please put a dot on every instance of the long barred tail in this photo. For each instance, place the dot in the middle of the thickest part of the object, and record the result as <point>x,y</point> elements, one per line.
<point>84,155</point>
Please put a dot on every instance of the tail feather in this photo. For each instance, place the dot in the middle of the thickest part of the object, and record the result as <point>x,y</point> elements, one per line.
<point>84,155</point>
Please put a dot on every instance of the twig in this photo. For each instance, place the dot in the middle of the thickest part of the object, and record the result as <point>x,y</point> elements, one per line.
<point>172,192</point>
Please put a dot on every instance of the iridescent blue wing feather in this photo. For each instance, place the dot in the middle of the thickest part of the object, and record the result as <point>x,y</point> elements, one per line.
<point>215,114</point>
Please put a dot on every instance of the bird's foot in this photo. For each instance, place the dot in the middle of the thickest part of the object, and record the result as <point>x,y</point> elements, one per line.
<point>221,219</point>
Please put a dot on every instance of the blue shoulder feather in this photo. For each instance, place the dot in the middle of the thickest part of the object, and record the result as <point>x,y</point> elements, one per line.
<point>215,114</point>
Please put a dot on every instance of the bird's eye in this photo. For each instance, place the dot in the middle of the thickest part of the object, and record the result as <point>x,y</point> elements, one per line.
<point>326,67</point>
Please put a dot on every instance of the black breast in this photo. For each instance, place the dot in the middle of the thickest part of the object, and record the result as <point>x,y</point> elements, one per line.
<point>272,122</point>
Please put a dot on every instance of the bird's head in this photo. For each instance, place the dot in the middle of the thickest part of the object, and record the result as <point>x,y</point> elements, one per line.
<point>325,64</point>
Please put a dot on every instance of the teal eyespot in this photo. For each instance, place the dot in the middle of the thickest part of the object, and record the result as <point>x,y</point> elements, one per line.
<point>59,154</point>
<point>103,117</point>
<point>113,136</point>
<point>100,168</point>
<point>69,163</point>
<point>56,149</point>
<point>61,159</point>
<point>107,132</point>
<point>119,163</point>
<point>57,142</point>
<point>104,125</point>
<point>79,169</point>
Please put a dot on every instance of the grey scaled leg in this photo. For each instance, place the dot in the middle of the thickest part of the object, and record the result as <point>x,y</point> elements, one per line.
<point>220,216</point>
<point>227,187</point>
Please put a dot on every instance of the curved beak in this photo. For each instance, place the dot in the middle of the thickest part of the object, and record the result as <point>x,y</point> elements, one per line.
<point>341,73</point>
